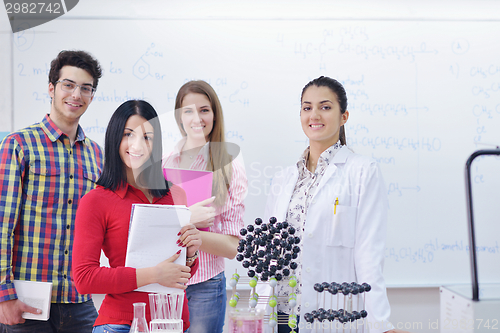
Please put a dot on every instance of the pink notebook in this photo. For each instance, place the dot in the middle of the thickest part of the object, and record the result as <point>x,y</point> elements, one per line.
<point>197,184</point>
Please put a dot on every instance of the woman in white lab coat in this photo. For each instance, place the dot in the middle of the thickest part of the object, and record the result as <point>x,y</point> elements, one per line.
<point>337,202</point>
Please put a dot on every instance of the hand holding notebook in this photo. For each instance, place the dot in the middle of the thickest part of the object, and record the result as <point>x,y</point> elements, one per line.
<point>203,214</point>
<point>198,187</point>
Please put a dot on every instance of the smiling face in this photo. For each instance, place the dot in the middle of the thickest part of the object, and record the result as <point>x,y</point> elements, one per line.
<point>136,144</point>
<point>197,117</point>
<point>321,116</point>
<point>68,107</point>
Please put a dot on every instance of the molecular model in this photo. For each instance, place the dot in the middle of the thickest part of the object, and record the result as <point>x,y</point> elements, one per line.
<point>352,292</point>
<point>270,248</point>
<point>268,252</point>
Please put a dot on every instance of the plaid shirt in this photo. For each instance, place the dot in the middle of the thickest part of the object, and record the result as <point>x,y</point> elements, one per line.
<point>42,178</point>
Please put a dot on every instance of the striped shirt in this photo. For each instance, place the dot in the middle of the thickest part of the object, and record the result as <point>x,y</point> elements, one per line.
<point>42,178</point>
<point>229,219</point>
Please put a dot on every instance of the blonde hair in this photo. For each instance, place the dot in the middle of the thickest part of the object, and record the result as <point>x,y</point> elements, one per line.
<point>219,159</point>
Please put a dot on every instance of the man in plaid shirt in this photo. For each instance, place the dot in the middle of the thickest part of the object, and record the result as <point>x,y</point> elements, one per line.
<point>44,171</point>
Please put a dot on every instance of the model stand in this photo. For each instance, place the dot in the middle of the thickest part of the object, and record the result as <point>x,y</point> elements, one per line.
<point>247,308</point>
<point>267,252</point>
<point>342,314</point>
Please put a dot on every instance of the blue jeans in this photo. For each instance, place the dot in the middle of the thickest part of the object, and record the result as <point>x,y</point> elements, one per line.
<point>207,305</point>
<point>110,328</point>
<point>64,317</point>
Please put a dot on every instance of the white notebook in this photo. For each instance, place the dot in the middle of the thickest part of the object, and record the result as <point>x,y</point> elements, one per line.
<point>36,294</point>
<point>152,238</point>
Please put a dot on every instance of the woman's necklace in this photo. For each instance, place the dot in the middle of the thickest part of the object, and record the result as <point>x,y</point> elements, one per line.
<point>186,154</point>
<point>191,153</point>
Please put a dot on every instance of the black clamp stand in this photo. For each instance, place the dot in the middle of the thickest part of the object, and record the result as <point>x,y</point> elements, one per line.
<point>470,216</point>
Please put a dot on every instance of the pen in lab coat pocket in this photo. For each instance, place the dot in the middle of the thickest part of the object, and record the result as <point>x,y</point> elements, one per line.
<point>335,206</point>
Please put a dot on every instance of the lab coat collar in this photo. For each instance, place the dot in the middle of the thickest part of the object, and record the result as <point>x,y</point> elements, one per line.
<point>339,158</point>
<point>292,175</point>
<point>325,157</point>
<point>341,155</point>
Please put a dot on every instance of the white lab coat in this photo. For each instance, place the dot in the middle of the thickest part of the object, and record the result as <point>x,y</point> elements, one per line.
<point>347,246</point>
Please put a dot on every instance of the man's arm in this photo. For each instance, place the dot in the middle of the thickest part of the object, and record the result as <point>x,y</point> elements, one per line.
<point>11,182</point>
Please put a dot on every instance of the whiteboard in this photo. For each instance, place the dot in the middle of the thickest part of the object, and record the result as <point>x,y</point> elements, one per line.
<point>423,95</point>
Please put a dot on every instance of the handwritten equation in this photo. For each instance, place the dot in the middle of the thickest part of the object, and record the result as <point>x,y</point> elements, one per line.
<point>428,251</point>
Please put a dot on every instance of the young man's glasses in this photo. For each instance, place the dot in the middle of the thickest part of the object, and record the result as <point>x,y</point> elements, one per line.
<point>69,86</point>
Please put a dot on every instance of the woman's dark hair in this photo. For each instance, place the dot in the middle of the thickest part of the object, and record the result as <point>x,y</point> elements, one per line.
<point>337,88</point>
<point>114,174</point>
<point>79,59</point>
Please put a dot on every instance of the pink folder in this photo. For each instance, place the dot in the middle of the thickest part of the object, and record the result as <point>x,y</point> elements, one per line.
<point>197,184</point>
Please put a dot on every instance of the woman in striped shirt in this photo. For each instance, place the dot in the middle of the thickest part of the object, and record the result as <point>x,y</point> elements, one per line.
<point>200,120</point>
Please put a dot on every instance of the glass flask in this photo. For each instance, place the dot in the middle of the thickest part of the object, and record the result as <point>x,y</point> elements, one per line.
<point>139,324</point>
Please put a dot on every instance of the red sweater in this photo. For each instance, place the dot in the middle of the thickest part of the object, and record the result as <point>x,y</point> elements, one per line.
<point>102,222</point>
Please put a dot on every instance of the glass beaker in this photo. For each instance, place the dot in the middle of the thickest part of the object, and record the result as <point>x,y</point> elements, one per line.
<point>246,321</point>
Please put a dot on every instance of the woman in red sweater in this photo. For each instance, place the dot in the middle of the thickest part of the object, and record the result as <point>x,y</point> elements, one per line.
<point>132,174</point>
